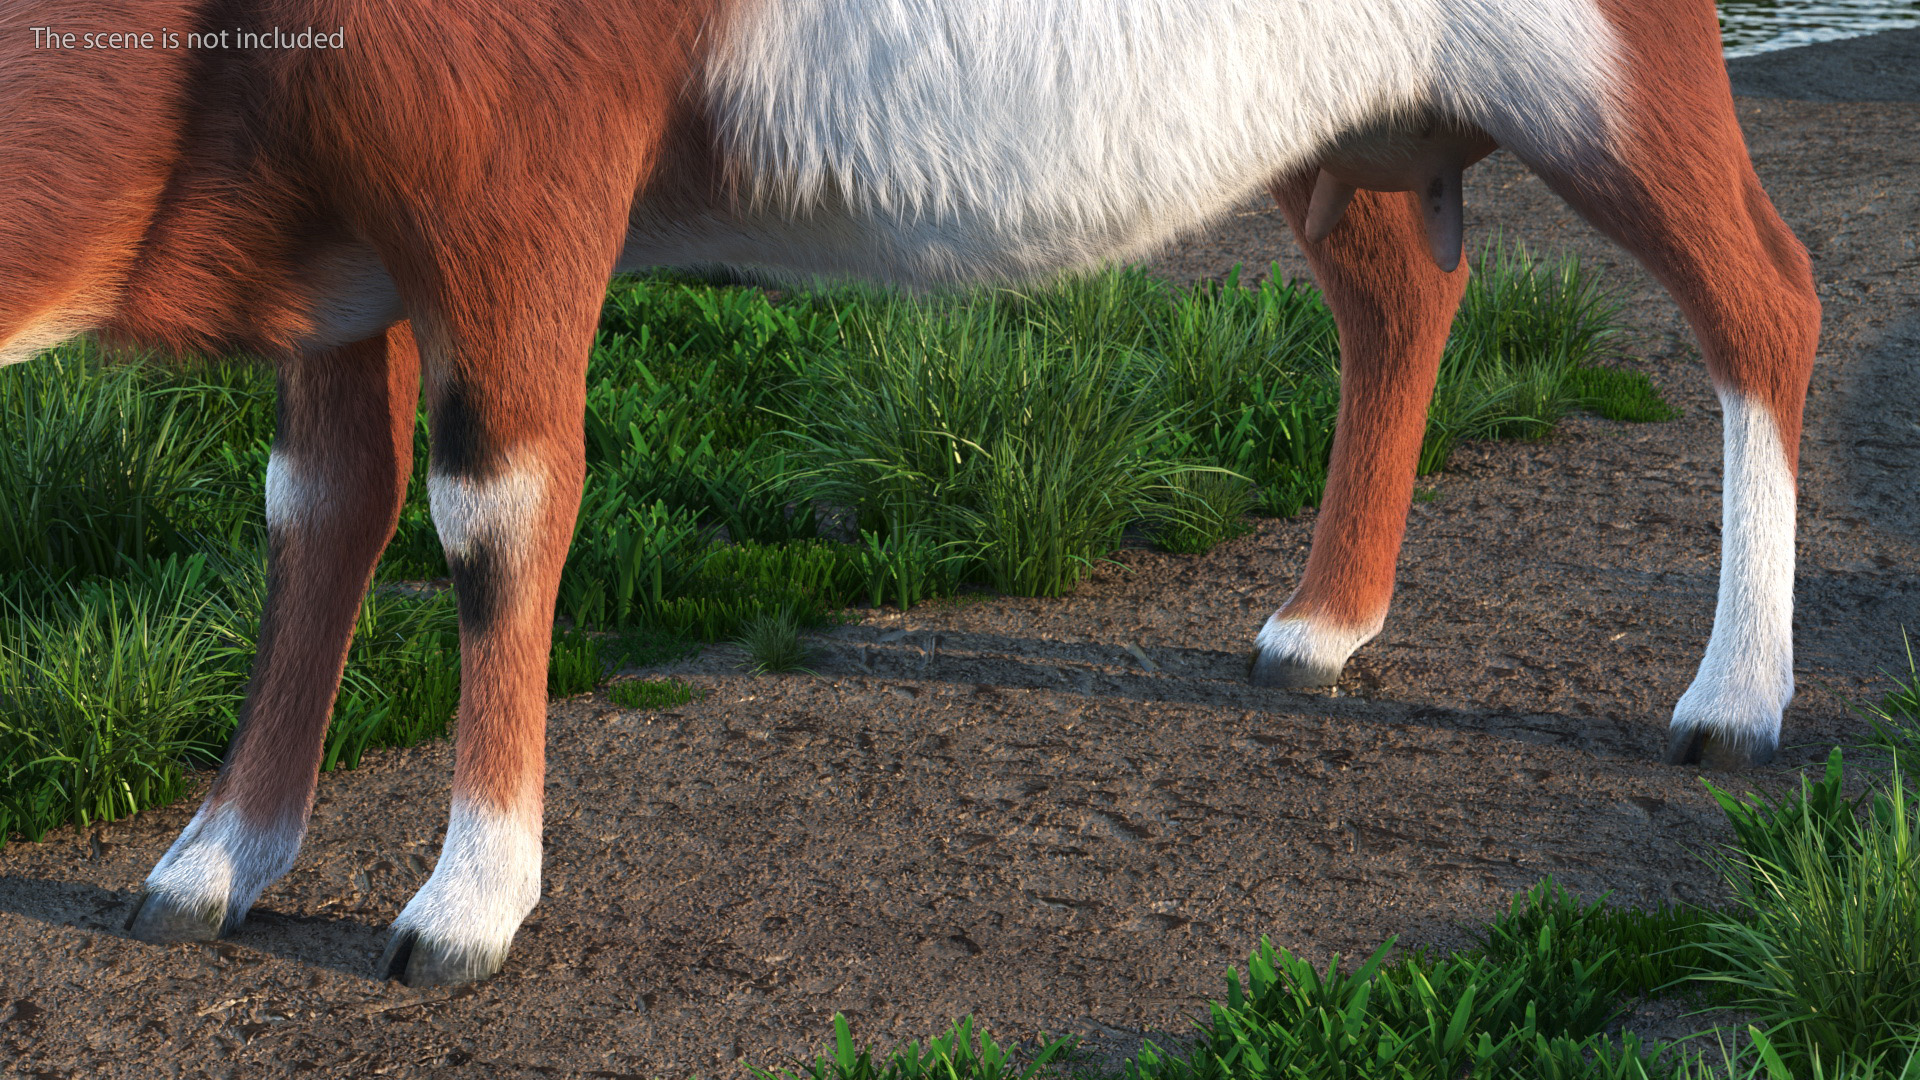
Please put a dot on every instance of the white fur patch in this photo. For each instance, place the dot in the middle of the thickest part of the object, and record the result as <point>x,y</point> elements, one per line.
<point>354,298</point>
<point>42,335</point>
<point>486,882</point>
<point>289,496</point>
<point>222,862</point>
<point>931,141</point>
<point>1311,643</point>
<point>1542,78</point>
<point>1746,678</point>
<point>501,511</point>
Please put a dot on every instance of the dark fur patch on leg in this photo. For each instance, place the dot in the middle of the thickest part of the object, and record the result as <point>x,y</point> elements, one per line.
<point>479,585</point>
<point>461,447</point>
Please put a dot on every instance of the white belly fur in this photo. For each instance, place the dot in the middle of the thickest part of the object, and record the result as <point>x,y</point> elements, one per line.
<point>938,141</point>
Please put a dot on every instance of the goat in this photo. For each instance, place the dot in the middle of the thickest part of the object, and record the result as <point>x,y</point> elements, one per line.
<point>445,194</point>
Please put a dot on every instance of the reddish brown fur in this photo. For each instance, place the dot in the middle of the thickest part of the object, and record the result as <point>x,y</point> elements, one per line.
<point>346,430</point>
<point>221,266</point>
<point>466,108</point>
<point>178,195</point>
<point>90,139</point>
<point>1394,308</point>
<point>1684,199</point>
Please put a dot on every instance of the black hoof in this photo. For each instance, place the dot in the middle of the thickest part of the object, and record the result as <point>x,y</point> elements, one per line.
<point>1709,750</point>
<point>161,919</point>
<point>417,961</point>
<point>1287,673</point>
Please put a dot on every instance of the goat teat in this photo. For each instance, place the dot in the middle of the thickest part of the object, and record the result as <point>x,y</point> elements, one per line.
<point>1429,157</point>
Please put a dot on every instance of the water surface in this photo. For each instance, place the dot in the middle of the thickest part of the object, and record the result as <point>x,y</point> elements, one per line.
<point>1757,26</point>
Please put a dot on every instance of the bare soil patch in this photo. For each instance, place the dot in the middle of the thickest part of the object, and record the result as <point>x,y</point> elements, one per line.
<point>995,807</point>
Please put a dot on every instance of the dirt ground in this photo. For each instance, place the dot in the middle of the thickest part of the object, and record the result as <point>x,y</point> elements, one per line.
<point>996,808</point>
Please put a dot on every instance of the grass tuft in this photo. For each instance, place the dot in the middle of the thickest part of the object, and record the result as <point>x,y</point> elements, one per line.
<point>906,567</point>
<point>1206,507</point>
<point>108,466</point>
<point>1634,953</point>
<point>652,693</point>
<point>1831,957</point>
<point>109,690</point>
<point>1522,332</point>
<point>1895,718</point>
<point>773,643</point>
<point>1620,394</point>
<point>963,1052</point>
<point>577,664</point>
<point>1419,1016</point>
<point>402,684</point>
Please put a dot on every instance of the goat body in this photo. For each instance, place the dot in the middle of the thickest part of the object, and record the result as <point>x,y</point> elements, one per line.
<point>443,194</point>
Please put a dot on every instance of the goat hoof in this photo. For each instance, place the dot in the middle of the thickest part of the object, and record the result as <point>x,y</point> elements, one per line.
<point>161,919</point>
<point>1279,671</point>
<point>416,960</point>
<point>1712,750</point>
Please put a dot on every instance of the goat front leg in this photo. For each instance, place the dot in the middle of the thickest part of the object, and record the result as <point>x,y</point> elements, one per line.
<point>1394,308</point>
<point>335,482</point>
<point>506,401</point>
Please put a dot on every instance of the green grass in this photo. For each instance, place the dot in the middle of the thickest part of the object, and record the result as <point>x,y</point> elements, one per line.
<point>1619,394</point>
<point>773,644</point>
<point>1019,438</point>
<point>1895,718</point>
<point>1634,953</point>
<point>1003,440</point>
<point>107,467</point>
<point>1901,1061</point>
<point>109,690</point>
<point>1008,438</point>
<point>577,665</point>
<point>652,693</point>
<point>403,677</point>
<point>642,647</point>
<point>1027,429</point>
<point>1522,333</point>
<point>963,1051</point>
<point>803,580</point>
<point>1831,958</point>
<point>1204,508</point>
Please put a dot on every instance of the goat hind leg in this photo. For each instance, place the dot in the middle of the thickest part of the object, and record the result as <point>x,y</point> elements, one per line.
<point>1749,295</point>
<point>1394,308</point>
<point>335,482</point>
<point>1675,187</point>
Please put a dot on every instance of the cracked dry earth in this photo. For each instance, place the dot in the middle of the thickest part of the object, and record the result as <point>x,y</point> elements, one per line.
<point>996,807</point>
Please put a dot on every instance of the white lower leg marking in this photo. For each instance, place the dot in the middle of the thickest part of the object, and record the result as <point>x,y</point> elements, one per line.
<point>222,862</point>
<point>501,510</point>
<point>487,880</point>
<point>1746,678</point>
<point>1310,642</point>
